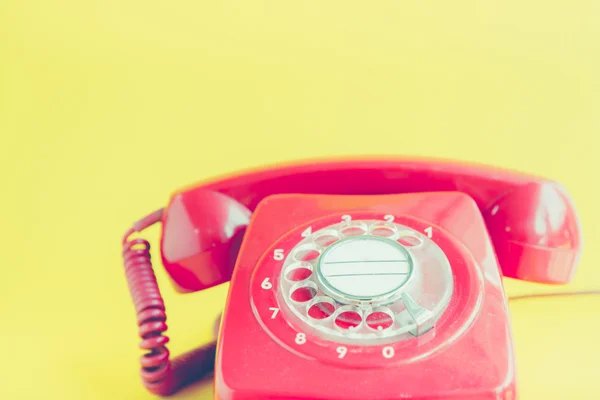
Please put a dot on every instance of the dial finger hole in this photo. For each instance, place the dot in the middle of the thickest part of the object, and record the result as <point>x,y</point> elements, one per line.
<point>306,253</point>
<point>303,292</point>
<point>326,238</point>
<point>380,319</point>
<point>321,308</point>
<point>353,229</point>
<point>409,239</point>
<point>298,272</point>
<point>382,230</point>
<point>347,318</point>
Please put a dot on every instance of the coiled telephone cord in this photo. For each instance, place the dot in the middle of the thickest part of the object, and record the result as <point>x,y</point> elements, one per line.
<point>161,375</point>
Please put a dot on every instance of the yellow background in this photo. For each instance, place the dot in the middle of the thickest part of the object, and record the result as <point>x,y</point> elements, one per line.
<point>108,106</point>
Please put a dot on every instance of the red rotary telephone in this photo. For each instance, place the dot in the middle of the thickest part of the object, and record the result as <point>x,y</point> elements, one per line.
<point>354,279</point>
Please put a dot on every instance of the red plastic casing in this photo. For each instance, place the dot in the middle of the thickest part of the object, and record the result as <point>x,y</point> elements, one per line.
<point>468,355</point>
<point>532,221</point>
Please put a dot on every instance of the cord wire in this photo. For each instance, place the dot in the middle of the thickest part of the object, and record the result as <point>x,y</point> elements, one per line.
<point>160,375</point>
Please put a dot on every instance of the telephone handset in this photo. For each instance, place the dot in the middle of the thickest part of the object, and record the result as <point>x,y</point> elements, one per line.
<point>354,279</point>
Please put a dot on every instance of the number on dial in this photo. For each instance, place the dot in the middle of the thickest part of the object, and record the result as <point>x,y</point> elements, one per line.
<point>266,284</point>
<point>278,254</point>
<point>274,311</point>
<point>429,232</point>
<point>307,232</point>
<point>388,352</point>
<point>300,338</point>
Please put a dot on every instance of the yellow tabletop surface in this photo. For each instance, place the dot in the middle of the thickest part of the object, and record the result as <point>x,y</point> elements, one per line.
<point>106,107</point>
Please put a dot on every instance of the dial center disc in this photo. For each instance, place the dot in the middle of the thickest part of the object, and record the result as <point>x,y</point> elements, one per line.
<point>364,269</point>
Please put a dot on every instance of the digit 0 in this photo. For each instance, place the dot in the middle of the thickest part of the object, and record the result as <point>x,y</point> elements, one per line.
<point>388,352</point>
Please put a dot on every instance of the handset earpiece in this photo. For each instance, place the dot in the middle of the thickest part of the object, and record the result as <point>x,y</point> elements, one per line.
<point>536,233</point>
<point>201,235</point>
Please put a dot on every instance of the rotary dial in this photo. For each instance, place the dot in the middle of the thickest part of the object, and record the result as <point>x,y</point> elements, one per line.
<point>366,281</point>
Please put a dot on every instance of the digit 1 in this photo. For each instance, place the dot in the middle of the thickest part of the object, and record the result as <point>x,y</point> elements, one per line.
<point>429,231</point>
